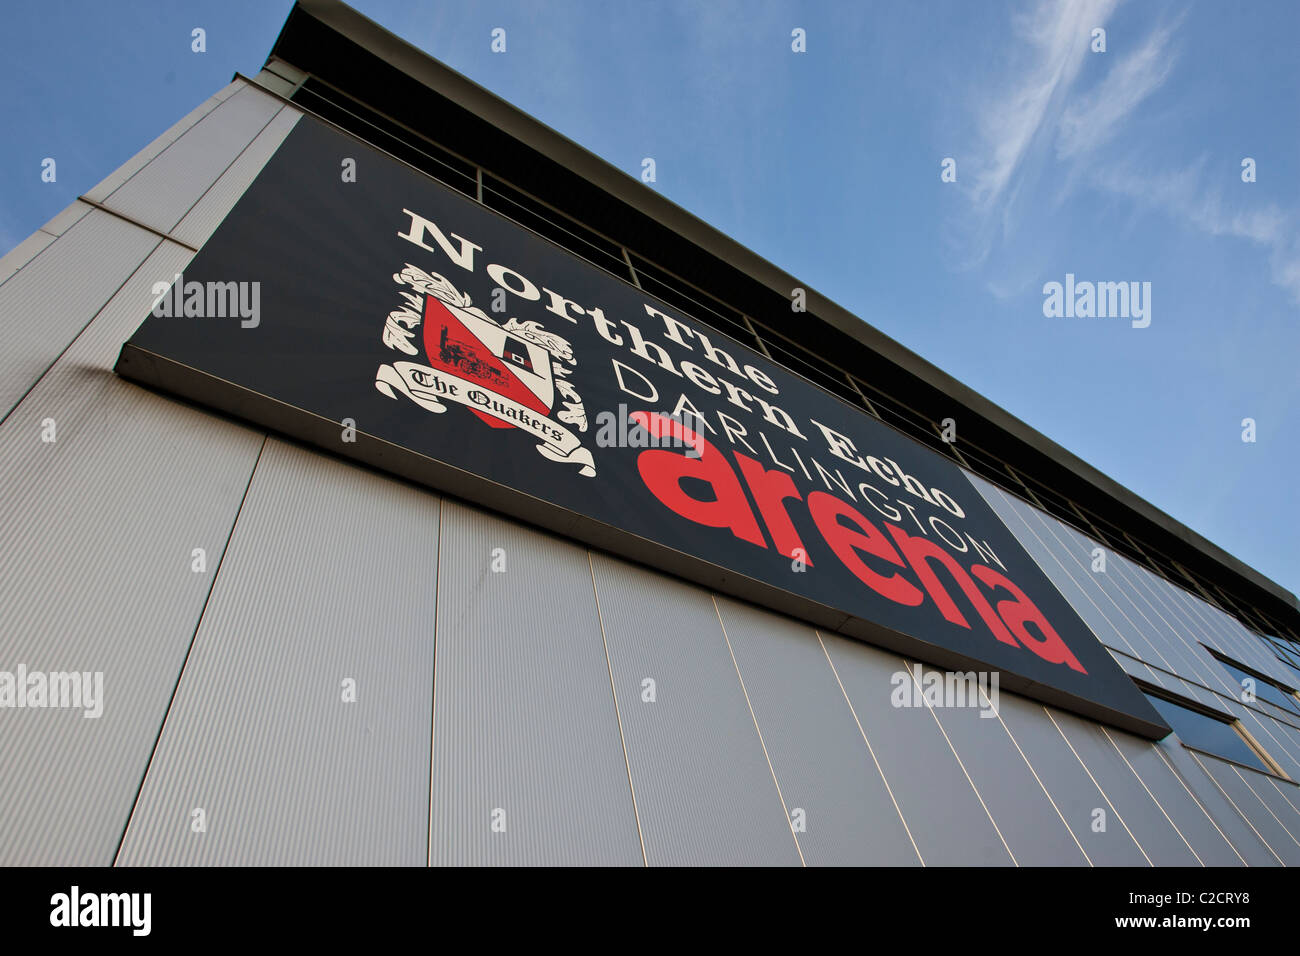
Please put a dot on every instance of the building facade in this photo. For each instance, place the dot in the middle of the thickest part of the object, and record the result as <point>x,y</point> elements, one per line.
<point>319,647</point>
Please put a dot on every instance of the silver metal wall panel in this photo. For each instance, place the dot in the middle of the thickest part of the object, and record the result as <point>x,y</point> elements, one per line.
<point>1131,666</point>
<point>1129,615</point>
<point>67,217</point>
<point>1280,740</point>
<point>1144,816</point>
<point>1245,789</point>
<point>1279,714</point>
<point>1073,790</point>
<point>1175,799</point>
<point>1160,623</point>
<point>1289,792</point>
<point>943,810</point>
<point>1238,831</point>
<point>1281,800</point>
<point>229,90</point>
<point>1291,736</point>
<point>813,741</point>
<point>524,718</point>
<point>1189,619</point>
<point>1288,743</point>
<point>1176,606</point>
<point>1238,643</point>
<point>162,192</point>
<point>704,790</point>
<point>1185,658</point>
<point>1030,822</point>
<point>1251,650</point>
<point>1069,571</point>
<point>97,531</point>
<point>23,253</point>
<point>1269,791</point>
<point>140,159</point>
<point>47,304</point>
<point>31,247</point>
<point>202,220</point>
<point>1197,624</point>
<point>1063,570</point>
<point>1113,593</point>
<point>329,576</point>
<point>1172,604</point>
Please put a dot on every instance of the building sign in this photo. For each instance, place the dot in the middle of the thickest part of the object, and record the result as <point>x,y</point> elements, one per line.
<point>394,321</point>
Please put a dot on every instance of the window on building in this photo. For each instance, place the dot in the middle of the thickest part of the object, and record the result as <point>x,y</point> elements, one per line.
<point>1262,687</point>
<point>1200,731</point>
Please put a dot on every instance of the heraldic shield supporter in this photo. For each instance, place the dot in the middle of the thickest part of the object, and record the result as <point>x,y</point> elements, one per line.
<point>509,375</point>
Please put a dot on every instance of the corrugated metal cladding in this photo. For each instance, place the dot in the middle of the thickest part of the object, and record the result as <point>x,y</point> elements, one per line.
<point>354,670</point>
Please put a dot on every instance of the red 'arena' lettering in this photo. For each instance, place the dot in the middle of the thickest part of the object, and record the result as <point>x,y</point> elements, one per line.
<point>848,533</point>
<point>664,471</point>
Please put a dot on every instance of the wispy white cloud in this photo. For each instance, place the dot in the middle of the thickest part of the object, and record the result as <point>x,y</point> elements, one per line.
<point>1094,118</point>
<point>1039,137</point>
<point>1187,197</point>
<point>1013,121</point>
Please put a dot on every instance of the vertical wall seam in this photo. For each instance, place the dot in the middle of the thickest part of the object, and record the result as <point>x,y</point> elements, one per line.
<point>933,713</point>
<point>1267,808</point>
<point>1025,757</point>
<point>1153,797</point>
<point>758,730</point>
<point>1240,812</point>
<point>870,750</point>
<point>1282,792</point>
<point>433,685</point>
<point>1097,784</point>
<point>1204,809</point>
<point>198,625</point>
<point>618,716</point>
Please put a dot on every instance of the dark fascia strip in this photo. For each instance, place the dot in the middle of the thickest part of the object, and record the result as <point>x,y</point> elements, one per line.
<point>445,82</point>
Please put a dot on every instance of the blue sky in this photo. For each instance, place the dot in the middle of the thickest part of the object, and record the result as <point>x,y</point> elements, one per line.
<point>1115,166</point>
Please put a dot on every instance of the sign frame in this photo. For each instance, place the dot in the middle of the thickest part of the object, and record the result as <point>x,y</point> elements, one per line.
<point>156,368</point>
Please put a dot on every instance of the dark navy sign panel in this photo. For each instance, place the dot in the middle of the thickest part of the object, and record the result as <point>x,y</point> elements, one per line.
<point>402,324</point>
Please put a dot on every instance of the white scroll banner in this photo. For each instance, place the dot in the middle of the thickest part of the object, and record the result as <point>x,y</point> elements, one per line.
<point>430,388</point>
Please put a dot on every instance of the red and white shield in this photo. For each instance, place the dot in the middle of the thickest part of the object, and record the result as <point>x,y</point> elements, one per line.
<point>472,348</point>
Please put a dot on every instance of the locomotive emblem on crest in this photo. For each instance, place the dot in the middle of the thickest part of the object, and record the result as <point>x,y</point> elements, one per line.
<point>510,376</point>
